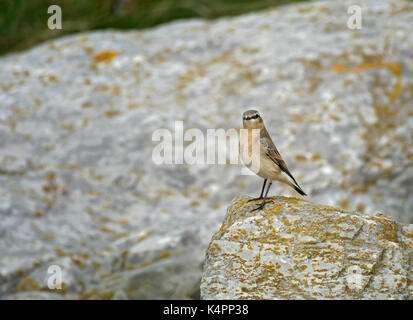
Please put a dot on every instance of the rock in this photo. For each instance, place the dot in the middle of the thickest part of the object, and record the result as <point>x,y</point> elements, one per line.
<point>79,189</point>
<point>296,249</point>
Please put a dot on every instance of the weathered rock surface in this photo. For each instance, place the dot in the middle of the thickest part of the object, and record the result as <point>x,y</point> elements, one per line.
<point>78,187</point>
<point>295,249</point>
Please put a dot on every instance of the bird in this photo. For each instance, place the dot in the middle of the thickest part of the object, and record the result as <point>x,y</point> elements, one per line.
<point>259,154</point>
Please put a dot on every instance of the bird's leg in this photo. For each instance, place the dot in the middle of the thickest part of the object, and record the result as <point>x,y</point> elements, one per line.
<point>262,192</point>
<point>263,203</point>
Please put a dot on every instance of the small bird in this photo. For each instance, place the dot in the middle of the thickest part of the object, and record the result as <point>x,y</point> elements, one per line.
<point>268,160</point>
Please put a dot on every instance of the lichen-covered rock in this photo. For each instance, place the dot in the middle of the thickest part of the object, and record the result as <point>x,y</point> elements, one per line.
<point>295,249</point>
<point>79,189</point>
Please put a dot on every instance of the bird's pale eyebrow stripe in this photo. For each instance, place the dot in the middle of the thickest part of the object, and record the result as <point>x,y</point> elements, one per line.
<point>252,117</point>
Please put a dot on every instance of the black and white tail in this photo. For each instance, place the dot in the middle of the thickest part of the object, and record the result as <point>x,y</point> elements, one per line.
<point>299,190</point>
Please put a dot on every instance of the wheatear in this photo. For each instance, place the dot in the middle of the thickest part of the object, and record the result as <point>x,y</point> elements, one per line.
<point>269,163</point>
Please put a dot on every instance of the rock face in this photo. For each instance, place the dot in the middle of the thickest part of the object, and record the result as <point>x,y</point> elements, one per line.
<point>79,189</point>
<point>295,249</point>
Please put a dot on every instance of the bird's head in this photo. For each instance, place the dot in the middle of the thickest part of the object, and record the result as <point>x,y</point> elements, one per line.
<point>251,119</point>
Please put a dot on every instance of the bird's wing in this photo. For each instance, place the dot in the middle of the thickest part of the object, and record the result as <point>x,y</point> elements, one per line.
<point>272,153</point>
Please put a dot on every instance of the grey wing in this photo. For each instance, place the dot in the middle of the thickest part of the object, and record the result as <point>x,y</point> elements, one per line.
<point>272,153</point>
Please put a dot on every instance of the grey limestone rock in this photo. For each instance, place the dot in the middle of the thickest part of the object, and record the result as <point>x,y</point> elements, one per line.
<point>295,249</point>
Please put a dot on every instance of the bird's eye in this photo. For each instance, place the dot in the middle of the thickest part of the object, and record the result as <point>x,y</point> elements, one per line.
<point>255,116</point>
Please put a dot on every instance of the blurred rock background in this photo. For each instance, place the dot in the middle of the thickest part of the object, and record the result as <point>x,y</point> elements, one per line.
<point>79,189</point>
<point>23,22</point>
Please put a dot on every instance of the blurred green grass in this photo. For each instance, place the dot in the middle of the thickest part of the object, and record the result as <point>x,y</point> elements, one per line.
<point>23,23</point>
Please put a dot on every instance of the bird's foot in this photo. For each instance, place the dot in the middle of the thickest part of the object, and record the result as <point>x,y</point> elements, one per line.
<point>261,205</point>
<point>255,199</point>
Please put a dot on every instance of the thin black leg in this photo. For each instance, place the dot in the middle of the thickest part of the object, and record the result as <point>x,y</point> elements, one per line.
<point>268,189</point>
<point>263,203</point>
<point>262,192</point>
<point>263,187</point>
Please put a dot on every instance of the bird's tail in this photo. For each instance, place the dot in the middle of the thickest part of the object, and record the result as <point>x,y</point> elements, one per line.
<point>289,179</point>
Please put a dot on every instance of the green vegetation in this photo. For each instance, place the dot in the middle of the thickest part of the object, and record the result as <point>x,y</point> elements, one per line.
<point>23,23</point>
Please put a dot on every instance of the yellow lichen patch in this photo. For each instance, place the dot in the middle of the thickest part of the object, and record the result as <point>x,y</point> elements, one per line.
<point>204,195</point>
<point>302,267</point>
<point>145,264</point>
<point>360,207</point>
<point>60,252</point>
<point>334,117</point>
<point>89,295</point>
<point>108,295</point>
<point>49,188</point>
<point>300,157</point>
<point>49,201</point>
<point>74,166</point>
<point>112,113</point>
<point>88,49</point>
<point>38,214</point>
<point>394,67</point>
<point>45,79</point>
<point>397,90</point>
<point>244,201</point>
<point>61,291</point>
<point>83,255</point>
<point>94,192</point>
<point>64,191</point>
<point>194,204</point>
<point>132,106</point>
<point>96,265</point>
<point>102,87</point>
<point>159,57</point>
<point>190,76</point>
<point>165,193</point>
<point>116,90</point>
<point>27,284</point>
<point>165,254</point>
<point>104,56</point>
<point>77,260</point>
<point>48,237</point>
<point>51,176</point>
<point>68,126</point>
<point>123,221</point>
<point>295,117</point>
<point>293,200</point>
<point>53,78</point>
<point>344,204</point>
<point>316,156</point>
<point>143,237</point>
<point>87,104</point>
<point>339,67</point>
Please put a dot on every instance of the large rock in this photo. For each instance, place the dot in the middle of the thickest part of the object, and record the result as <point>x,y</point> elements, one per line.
<point>295,249</point>
<point>78,187</point>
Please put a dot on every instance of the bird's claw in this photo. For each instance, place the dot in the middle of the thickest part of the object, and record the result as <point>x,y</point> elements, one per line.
<point>261,205</point>
<point>255,199</point>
